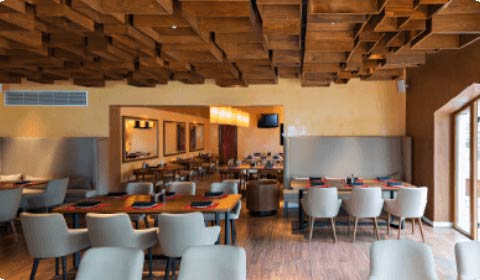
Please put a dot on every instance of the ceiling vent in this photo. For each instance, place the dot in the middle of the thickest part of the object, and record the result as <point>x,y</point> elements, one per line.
<point>46,98</point>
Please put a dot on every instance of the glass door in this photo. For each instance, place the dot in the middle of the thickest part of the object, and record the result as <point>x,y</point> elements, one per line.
<point>462,171</point>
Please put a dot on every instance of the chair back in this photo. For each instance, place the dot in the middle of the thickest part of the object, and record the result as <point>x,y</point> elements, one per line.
<point>55,192</point>
<point>321,202</point>
<point>44,234</point>
<point>412,201</point>
<point>139,188</point>
<point>9,202</point>
<point>178,232</point>
<point>467,255</point>
<point>110,230</point>
<point>186,188</point>
<point>367,202</point>
<point>111,263</point>
<point>214,262</point>
<point>401,259</point>
<point>225,187</point>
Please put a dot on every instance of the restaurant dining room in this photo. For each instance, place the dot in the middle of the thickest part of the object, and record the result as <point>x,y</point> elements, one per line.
<point>235,140</point>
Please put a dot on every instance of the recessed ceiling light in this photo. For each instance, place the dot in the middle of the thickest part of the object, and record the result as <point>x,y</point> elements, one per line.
<point>174,27</point>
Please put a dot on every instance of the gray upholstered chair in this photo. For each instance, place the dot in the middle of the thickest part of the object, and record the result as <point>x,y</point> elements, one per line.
<point>185,188</point>
<point>111,263</point>
<point>227,188</point>
<point>401,259</point>
<point>467,255</point>
<point>9,203</point>
<point>48,236</point>
<point>214,262</point>
<point>115,230</point>
<point>53,195</point>
<point>178,232</point>
<point>139,188</point>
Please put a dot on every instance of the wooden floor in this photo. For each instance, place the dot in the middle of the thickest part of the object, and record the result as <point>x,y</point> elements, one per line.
<point>274,250</point>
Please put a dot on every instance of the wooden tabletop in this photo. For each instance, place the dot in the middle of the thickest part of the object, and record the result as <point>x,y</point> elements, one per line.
<point>13,185</point>
<point>176,205</point>
<point>247,166</point>
<point>341,185</point>
<point>152,170</point>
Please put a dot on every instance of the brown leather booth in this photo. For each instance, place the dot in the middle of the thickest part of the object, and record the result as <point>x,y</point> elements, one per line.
<point>263,197</point>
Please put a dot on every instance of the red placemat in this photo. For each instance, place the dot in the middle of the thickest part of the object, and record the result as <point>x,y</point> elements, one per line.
<point>131,208</point>
<point>216,197</point>
<point>116,197</point>
<point>173,196</point>
<point>97,207</point>
<point>318,186</point>
<point>189,207</point>
<point>350,187</point>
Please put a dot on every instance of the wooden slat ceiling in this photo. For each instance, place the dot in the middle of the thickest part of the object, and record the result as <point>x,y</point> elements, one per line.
<point>236,43</point>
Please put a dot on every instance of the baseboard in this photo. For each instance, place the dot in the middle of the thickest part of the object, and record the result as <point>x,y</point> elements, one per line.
<point>440,224</point>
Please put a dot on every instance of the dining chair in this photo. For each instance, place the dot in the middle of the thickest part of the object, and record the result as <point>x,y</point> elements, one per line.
<point>401,259</point>
<point>115,230</point>
<point>467,255</point>
<point>9,203</point>
<point>227,188</point>
<point>178,232</point>
<point>213,262</point>
<point>53,195</point>
<point>365,203</point>
<point>111,263</point>
<point>321,203</point>
<point>409,204</point>
<point>47,236</point>
<point>185,188</point>
<point>139,188</point>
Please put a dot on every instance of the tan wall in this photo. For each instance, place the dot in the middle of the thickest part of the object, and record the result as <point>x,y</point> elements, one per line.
<point>161,115</point>
<point>357,108</point>
<point>431,86</point>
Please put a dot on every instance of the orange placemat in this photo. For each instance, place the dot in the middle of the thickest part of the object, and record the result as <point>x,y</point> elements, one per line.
<point>97,207</point>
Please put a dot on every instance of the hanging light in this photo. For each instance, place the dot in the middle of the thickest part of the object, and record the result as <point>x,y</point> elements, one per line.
<point>229,116</point>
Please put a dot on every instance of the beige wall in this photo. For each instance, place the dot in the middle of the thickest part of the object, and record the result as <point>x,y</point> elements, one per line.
<point>161,115</point>
<point>357,109</point>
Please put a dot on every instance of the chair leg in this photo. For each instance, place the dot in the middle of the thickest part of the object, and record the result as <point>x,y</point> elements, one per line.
<point>145,220</point>
<point>311,221</point>
<point>174,268</point>
<point>150,262</point>
<point>376,228</point>
<point>34,268</point>
<point>413,226</point>
<point>14,230</point>
<point>57,266</point>
<point>167,269</point>
<point>136,224</point>
<point>332,221</point>
<point>355,228</point>
<point>234,232</point>
<point>388,223</point>
<point>64,267</point>
<point>285,209</point>
<point>399,227</point>
<point>421,229</point>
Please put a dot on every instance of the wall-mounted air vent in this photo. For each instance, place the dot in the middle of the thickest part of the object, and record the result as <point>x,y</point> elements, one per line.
<point>45,98</point>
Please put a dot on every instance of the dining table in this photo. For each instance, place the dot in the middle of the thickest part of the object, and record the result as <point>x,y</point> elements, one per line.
<point>7,185</point>
<point>304,184</point>
<point>175,204</point>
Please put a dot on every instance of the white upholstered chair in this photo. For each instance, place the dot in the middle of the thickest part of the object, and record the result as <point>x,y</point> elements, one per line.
<point>111,263</point>
<point>47,236</point>
<point>467,255</point>
<point>409,204</point>
<point>214,262</point>
<point>115,230</point>
<point>321,203</point>
<point>178,232</point>
<point>9,203</point>
<point>139,188</point>
<point>365,203</point>
<point>401,259</point>
<point>227,188</point>
<point>53,195</point>
<point>185,188</point>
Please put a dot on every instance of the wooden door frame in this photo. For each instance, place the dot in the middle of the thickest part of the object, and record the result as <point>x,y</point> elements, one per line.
<point>220,152</point>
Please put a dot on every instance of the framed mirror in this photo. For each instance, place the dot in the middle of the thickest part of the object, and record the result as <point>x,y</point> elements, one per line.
<point>174,138</point>
<point>140,139</point>
<point>196,133</point>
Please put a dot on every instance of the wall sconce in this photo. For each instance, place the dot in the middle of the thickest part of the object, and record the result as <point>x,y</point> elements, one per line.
<point>143,124</point>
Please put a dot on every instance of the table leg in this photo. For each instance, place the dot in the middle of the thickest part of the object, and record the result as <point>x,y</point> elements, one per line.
<point>217,223</point>
<point>402,224</point>
<point>76,224</point>
<point>227,228</point>
<point>301,224</point>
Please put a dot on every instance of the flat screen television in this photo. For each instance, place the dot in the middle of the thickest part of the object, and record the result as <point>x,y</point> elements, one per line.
<point>268,121</point>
